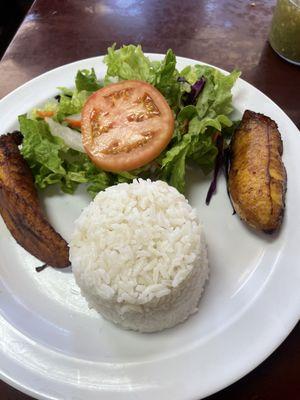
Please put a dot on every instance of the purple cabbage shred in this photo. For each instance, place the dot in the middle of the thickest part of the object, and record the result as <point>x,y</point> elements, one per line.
<point>196,89</point>
<point>218,165</point>
<point>226,162</point>
<point>222,160</point>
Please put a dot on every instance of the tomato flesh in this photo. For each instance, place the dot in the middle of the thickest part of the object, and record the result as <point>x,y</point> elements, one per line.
<point>126,125</point>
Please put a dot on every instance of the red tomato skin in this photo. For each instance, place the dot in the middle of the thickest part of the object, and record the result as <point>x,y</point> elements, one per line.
<point>141,154</point>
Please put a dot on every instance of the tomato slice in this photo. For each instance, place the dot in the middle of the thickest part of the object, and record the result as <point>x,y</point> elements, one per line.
<point>126,125</point>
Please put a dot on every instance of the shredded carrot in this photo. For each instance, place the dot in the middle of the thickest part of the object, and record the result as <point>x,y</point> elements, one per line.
<point>44,114</point>
<point>74,123</point>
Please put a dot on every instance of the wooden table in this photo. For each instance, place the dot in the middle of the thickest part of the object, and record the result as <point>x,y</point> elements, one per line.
<point>227,33</point>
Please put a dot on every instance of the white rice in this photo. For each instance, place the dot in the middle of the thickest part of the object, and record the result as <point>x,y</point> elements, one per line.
<point>139,256</point>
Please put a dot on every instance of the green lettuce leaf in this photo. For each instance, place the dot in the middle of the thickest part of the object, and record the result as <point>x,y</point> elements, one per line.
<point>166,80</point>
<point>128,62</point>
<point>87,80</point>
<point>177,176</point>
<point>40,147</point>
<point>196,145</point>
<point>216,97</point>
<point>71,100</point>
<point>51,105</point>
<point>53,163</point>
<point>191,73</point>
<point>65,91</point>
<point>192,141</point>
<point>71,105</point>
<point>196,124</point>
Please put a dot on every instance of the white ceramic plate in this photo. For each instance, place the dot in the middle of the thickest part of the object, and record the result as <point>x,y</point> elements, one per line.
<point>53,347</point>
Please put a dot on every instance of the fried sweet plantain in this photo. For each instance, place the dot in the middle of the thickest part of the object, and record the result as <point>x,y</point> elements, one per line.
<point>21,210</point>
<point>257,176</point>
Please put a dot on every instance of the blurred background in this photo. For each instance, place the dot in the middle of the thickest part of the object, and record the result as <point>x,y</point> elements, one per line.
<point>12,13</point>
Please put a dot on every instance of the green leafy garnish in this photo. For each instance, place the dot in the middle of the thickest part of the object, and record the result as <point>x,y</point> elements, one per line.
<point>196,123</point>
<point>71,105</point>
<point>53,163</point>
<point>87,80</point>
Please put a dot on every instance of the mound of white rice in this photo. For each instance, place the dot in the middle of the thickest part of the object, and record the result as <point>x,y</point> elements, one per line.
<point>139,256</point>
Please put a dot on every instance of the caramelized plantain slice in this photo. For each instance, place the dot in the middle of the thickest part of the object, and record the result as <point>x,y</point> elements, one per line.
<point>257,176</point>
<point>21,210</point>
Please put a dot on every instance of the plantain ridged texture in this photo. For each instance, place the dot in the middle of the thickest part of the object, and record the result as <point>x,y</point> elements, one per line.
<point>21,210</point>
<point>257,176</point>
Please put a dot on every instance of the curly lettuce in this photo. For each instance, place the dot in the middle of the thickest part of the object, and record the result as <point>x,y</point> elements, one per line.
<point>201,100</point>
<point>52,162</point>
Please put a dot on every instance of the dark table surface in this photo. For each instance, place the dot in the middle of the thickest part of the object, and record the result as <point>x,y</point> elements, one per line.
<point>226,33</point>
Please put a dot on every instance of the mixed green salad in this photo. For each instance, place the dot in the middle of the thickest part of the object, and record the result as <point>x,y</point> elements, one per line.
<point>200,97</point>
